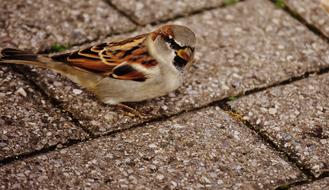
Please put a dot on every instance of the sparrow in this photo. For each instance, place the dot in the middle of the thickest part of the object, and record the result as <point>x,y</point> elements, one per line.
<point>134,69</point>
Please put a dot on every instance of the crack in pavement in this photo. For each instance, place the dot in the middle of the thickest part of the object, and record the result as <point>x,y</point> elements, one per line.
<point>219,103</point>
<point>302,182</point>
<point>283,152</point>
<point>299,18</point>
<point>108,2</point>
<point>22,70</point>
<point>161,21</point>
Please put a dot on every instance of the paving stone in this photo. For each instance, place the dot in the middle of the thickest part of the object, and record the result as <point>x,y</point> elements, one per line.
<point>295,117</point>
<point>27,121</point>
<point>313,12</point>
<point>321,184</point>
<point>245,46</point>
<point>204,149</point>
<point>147,11</point>
<point>38,24</point>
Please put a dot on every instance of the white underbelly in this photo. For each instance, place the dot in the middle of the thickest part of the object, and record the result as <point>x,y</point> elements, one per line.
<point>113,91</point>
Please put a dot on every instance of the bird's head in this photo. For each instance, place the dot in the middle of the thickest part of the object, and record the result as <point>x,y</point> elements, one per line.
<point>173,44</point>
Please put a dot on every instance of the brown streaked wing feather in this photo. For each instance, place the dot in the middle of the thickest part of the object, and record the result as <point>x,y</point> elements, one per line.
<point>103,58</point>
<point>89,62</point>
<point>86,59</point>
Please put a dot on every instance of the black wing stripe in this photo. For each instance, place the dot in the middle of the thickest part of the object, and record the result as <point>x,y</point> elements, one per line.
<point>123,70</point>
<point>88,53</point>
<point>99,47</point>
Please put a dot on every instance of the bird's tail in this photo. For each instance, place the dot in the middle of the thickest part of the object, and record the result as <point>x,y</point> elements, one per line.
<point>15,56</point>
<point>83,78</point>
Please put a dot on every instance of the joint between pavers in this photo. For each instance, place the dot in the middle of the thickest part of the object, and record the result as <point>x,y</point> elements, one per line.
<point>303,182</point>
<point>220,103</point>
<point>299,18</point>
<point>24,156</point>
<point>131,19</point>
<point>283,153</point>
<point>25,72</point>
<point>282,83</point>
<point>223,5</point>
<point>162,21</point>
<point>71,142</point>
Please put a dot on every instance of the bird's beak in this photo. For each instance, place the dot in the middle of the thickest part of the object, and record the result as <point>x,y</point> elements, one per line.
<point>186,54</point>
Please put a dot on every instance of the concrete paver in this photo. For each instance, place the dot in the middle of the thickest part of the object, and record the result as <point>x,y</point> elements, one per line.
<point>313,12</point>
<point>161,10</point>
<point>321,184</point>
<point>203,149</point>
<point>38,24</point>
<point>27,121</point>
<point>241,47</point>
<point>295,117</point>
<point>249,45</point>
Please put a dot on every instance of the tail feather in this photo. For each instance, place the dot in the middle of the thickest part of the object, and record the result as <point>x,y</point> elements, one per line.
<point>82,77</point>
<point>15,54</point>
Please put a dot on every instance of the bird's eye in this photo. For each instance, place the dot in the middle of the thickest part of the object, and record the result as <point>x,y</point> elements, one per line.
<point>172,43</point>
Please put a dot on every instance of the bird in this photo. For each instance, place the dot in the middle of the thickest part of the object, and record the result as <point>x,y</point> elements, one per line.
<point>134,69</point>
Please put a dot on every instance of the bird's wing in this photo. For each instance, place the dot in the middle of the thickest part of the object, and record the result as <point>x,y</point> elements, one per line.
<point>113,59</point>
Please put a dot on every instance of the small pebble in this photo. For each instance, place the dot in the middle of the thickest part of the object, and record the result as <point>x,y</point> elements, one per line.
<point>77,91</point>
<point>152,145</point>
<point>160,177</point>
<point>21,92</point>
<point>272,111</point>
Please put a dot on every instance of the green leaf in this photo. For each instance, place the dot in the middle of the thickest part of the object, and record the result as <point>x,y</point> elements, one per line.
<point>58,48</point>
<point>280,4</point>
<point>231,98</point>
<point>230,2</point>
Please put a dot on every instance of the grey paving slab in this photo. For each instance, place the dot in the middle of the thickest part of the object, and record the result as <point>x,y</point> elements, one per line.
<point>38,24</point>
<point>27,121</point>
<point>313,12</point>
<point>144,12</point>
<point>295,117</point>
<point>199,150</point>
<point>242,47</point>
<point>321,184</point>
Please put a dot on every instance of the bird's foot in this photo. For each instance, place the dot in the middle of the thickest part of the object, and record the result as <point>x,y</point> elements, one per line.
<point>131,110</point>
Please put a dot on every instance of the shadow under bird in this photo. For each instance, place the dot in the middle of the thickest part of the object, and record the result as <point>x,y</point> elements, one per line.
<point>134,69</point>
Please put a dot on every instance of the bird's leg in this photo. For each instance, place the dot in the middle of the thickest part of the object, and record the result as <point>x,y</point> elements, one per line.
<point>130,109</point>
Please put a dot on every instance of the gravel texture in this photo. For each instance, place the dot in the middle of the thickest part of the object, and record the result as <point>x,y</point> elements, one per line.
<point>313,12</point>
<point>38,24</point>
<point>158,10</point>
<point>199,150</point>
<point>248,45</point>
<point>295,117</point>
<point>27,120</point>
<point>321,184</point>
